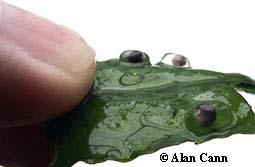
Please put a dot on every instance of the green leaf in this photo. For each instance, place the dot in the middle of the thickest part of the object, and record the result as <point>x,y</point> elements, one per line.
<point>136,110</point>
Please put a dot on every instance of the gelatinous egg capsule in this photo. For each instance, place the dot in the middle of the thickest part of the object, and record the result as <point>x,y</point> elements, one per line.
<point>176,60</point>
<point>134,58</point>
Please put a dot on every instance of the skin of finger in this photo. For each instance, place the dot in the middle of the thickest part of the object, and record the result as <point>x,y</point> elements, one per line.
<point>32,91</point>
<point>25,147</point>
<point>35,87</point>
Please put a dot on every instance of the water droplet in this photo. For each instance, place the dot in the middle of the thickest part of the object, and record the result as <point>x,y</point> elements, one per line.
<point>131,79</point>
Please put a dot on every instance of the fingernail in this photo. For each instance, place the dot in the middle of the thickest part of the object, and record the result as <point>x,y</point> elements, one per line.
<point>44,40</point>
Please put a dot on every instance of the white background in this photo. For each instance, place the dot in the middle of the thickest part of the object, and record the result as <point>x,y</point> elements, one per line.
<point>216,35</point>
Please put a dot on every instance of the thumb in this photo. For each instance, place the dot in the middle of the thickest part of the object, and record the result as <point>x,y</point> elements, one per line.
<point>45,70</point>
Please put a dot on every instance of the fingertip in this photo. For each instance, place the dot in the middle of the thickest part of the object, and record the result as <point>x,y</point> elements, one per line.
<point>46,69</point>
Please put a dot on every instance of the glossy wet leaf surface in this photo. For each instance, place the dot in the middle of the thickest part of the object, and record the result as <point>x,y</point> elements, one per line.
<point>136,108</point>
